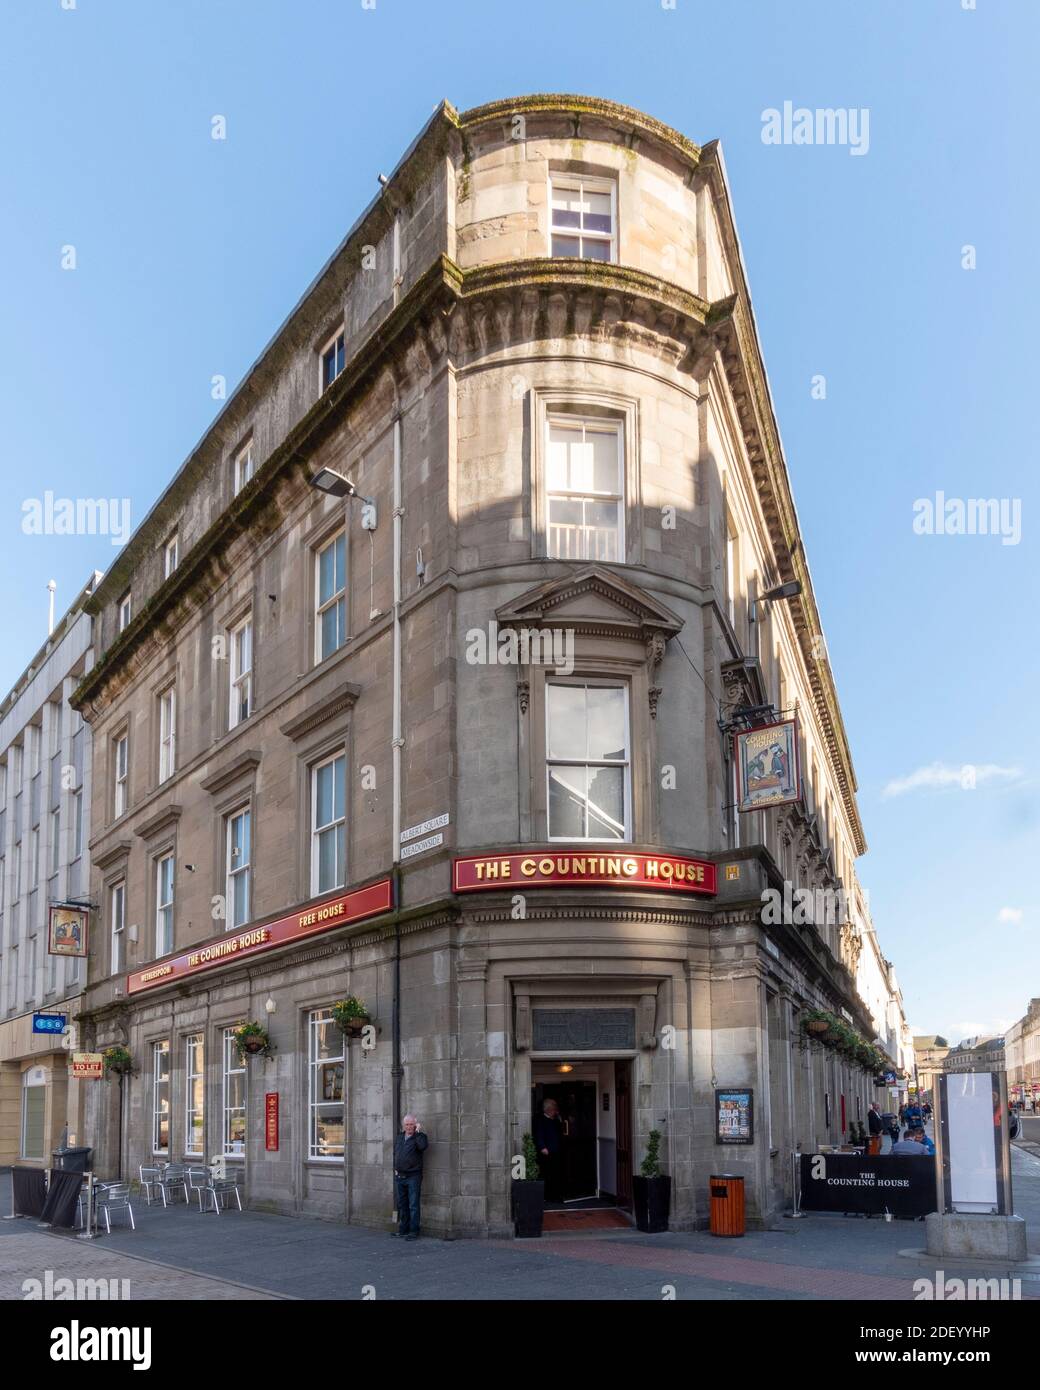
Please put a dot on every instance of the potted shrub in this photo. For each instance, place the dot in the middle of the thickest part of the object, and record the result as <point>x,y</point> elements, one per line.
<point>252,1040</point>
<point>117,1060</point>
<point>528,1195</point>
<point>652,1189</point>
<point>351,1015</point>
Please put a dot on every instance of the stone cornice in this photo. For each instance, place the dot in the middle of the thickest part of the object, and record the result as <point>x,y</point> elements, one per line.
<point>342,699</point>
<point>169,815</point>
<point>582,109</point>
<point>639,614</point>
<point>245,764</point>
<point>119,850</point>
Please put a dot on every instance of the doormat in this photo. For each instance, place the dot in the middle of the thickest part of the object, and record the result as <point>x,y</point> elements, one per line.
<point>564,1221</point>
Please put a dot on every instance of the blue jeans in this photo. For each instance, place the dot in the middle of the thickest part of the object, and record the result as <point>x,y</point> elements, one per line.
<point>406,1196</point>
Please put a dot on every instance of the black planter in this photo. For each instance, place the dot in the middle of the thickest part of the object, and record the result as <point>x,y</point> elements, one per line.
<point>652,1200</point>
<point>528,1208</point>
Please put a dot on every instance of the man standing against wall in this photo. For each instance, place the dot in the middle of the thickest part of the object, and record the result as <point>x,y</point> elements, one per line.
<point>409,1147</point>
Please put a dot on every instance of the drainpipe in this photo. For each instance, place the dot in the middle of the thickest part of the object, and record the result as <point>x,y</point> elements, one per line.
<point>398,744</point>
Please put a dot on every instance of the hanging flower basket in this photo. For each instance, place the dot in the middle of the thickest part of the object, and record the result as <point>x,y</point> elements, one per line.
<point>117,1060</point>
<point>817,1026</point>
<point>352,1015</point>
<point>252,1041</point>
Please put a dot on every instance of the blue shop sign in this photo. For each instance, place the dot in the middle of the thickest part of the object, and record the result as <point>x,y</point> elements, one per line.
<point>49,1023</point>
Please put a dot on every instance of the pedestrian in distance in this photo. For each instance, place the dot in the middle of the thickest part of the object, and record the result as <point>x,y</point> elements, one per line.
<point>409,1147</point>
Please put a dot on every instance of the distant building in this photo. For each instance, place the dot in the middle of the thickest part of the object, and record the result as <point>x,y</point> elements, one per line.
<point>930,1052</point>
<point>44,829</point>
<point>976,1054</point>
<point>1022,1048</point>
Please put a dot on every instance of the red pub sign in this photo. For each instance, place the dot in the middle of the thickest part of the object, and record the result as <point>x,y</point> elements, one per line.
<point>320,917</point>
<point>567,867</point>
<point>271,1121</point>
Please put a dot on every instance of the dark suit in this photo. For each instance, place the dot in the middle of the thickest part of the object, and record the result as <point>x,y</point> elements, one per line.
<point>874,1122</point>
<point>548,1134</point>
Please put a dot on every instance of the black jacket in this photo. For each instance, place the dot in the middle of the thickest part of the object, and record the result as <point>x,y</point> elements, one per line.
<point>548,1133</point>
<point>408,1152</point>
<point>875,1122</point>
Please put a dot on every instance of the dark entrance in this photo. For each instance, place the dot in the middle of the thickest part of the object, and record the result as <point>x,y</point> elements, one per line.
<point>572,1176</point>
<point>623,1106</point>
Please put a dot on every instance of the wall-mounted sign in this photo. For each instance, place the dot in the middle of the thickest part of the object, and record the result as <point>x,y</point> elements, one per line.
<point>66,930</point>
<point>49,1023</point>
<point>420,846</point>
<point>424,828</point>
<point>319,917</point>
<point>735,1116</point>
<point>87,1066</point>
<point>271,1121</point>
<point>767,766</point>
<point>570,868</point>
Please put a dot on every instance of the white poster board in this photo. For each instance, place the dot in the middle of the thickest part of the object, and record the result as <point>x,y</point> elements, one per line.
<point>972,1113</point>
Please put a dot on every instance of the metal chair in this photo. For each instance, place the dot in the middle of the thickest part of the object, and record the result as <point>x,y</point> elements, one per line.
<point>220,1189</point>
<point>81,1202</point>
<point>115,1197</point>
<point>174,1177</point>
<point>199,1178</point>
<point>148,1180</point>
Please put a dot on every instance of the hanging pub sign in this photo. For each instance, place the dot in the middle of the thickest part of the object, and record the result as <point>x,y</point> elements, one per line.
<point>735,1116</point>
<point>66,930</point>
<point>767,766</point>
<point>568,868</point>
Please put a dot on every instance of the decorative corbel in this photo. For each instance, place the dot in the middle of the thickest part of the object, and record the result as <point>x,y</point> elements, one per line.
<point>522,1031</point>
<point>523,694</point>
<point>647,1018</point>
<point>654,657</point>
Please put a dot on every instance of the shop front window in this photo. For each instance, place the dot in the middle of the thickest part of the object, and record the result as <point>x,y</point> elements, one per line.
<point>234,1098</point>
<point>161,1100</point>
<point>327,1125</point>
<point>195,1095</point>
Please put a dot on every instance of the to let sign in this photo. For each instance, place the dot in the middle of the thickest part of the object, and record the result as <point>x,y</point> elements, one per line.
<point>565,868</point>
<point>271,1121</point>
<point>87,1066</point>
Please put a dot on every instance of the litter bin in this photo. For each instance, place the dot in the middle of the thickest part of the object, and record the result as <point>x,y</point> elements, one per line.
<point>726,1192</point>
<point>72,1160</point>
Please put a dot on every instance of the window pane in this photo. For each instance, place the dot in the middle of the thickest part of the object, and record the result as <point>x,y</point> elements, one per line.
<point>566,207</point>
<point>566,721</point>
<point>567,802</point>
<point>600,536</point>
<point>241,902</point>
<point>324,793</point>
<point>606,727</point>
<point>329,630</point>
<point>340,549</point>
<point>326,860</point>
<point>593,250</point>
<point>566,246</point>
<point>341,787</point>
<point>603,445</point>
<point>606,803</point>
<point>597,212</point>
<point>326,574</point>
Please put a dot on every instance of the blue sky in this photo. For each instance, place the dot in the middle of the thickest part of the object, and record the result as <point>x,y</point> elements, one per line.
<point>189,253</point>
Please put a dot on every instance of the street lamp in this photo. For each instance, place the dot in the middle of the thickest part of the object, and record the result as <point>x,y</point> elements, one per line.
<point>791,589</point>
<point>327,480</point>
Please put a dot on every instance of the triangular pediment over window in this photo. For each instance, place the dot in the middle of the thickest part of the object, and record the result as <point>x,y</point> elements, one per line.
<point>592,601</point>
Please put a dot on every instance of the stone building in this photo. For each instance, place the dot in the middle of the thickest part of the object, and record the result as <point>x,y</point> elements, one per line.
<point>45,780</point>
<point>930,1051</point>
<point>460,745</point>
<point>976,1054</point>
<point>1022,1055</point>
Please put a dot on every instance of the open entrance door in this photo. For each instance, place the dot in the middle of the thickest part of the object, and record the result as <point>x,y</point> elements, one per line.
<point>623,1132</point>
<point>571,1173</point>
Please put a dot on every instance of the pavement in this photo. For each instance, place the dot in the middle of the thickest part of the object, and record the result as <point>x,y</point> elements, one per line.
<point>180,1253</point>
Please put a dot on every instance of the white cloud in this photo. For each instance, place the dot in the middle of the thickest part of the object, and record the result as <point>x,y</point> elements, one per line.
<point>991,1028</point>
<point>939,776</point>
<point>1010,914</point>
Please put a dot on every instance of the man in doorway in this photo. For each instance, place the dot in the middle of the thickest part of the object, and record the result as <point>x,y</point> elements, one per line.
<point>409,1147</point>
<point>548,1140</point>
